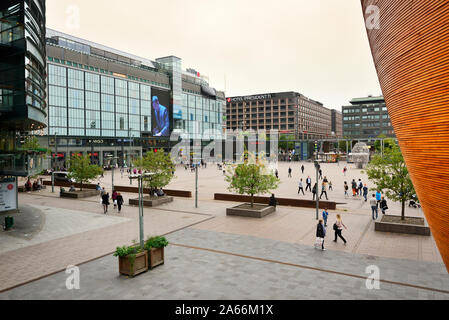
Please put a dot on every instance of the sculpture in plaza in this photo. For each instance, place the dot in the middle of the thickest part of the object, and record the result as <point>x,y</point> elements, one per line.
<point>360,155</point>
<point>408,41</point>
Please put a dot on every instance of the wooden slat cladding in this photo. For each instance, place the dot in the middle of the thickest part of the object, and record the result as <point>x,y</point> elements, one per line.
<point>411,55</point>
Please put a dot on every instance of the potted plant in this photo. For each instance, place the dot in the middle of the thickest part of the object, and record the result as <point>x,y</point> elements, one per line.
<point>132,260</point>
<point>155,247</point>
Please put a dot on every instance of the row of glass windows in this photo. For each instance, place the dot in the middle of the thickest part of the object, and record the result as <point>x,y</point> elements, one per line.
<point>357,110</point>
<point>85,67</point>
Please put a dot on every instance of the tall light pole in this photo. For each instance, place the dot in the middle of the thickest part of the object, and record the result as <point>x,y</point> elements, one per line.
<point>317,167</point>
<point>139,178</point>
<point>112,170</point>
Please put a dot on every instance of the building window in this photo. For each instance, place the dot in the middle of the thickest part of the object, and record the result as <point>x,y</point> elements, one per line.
<point>122,123</point>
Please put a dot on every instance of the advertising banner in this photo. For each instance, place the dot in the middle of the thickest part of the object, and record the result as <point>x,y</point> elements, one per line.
<point>161,113</point>
<point>8,200</point>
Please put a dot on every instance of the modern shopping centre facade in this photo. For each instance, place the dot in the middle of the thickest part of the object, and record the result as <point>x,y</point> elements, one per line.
<point>100,101</point>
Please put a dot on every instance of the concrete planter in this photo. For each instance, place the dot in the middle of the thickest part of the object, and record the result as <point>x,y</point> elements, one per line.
<point>151,202</point>
<point>155,257</point>
<point>132,268</point>
<point>79,194</point>
<point>245,210</point>
<point>418,228</point>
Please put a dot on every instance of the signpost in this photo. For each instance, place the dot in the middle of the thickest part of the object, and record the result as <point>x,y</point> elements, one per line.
<point>8,194</point>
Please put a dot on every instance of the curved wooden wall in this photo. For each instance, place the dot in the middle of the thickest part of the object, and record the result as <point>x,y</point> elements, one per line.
<point>411,54</point>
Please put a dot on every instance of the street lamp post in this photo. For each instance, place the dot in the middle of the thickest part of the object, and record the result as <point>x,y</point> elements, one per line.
<point>139,178</point>
<point>317,168</point>
<point>112,170</point>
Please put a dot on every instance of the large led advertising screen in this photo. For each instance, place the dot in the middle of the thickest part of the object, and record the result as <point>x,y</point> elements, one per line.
<point>161,113</point>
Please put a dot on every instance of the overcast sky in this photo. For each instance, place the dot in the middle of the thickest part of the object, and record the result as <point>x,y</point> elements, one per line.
<point>316,47</point>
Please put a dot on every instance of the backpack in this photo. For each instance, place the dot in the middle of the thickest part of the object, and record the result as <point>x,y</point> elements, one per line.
<point>335,226</point>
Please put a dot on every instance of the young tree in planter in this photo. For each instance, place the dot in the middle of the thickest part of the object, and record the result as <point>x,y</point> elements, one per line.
<point>251,177</point>
<point>158,163</point>
<point>81,170</point>
<point>390,174</point>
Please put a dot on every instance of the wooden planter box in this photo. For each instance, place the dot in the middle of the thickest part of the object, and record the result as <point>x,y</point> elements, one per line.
<point>244,210</point>
<point>394,224</point>
<point>140,264</point>
<point>151,202</point>
<point>79,194</point>
<point>155,257</point>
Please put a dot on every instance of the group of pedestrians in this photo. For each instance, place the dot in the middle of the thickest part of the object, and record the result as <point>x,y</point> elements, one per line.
<point>321,230</point>
<point>117,199</point>
<point>377,201</point>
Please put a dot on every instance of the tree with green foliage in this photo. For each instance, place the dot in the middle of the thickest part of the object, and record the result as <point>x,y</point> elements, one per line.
<point>81,170</point>
<point>31,143</point>
<point>158,163</point>
<point>342,145</point>
<point>286,142</point>
<point>389,173</point>
<point>388,143</point>
<point>251,177</point>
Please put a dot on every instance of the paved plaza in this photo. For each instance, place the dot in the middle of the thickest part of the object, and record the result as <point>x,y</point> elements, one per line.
<point>213,256</point>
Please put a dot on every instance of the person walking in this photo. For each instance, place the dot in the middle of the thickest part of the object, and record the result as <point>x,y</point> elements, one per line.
<point>289,172</point>
<point>320,234</point>
<point>365,192</point>
<point>359,191</point>
<point>345,186</point>
<point>309,183</point>
<point>344,171</point>
<point>314,191</point>
<point>325,215</point>
<point>373,204</point>
<point>105,202</point>
<point>102,192</point>
<point>300,188</point>
<point>276,173</point>
<point>330,186</point>
<point>302,169</point>
<point>321,174</point>
<point>383,205</point>
<point>378,196</point>
<point>273,201</point>
<point>354,187</point>
<point>323,190</point>
<point>119,201</point>
<point>338,227</point>
<point>114,198</point>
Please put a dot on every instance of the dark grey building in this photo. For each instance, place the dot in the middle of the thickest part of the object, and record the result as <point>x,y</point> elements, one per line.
<point>366,118</point>
<point>23,107</point>
<point>337,123</point>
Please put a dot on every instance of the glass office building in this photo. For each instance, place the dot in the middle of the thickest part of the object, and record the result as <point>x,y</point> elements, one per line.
<point>23,104</point>
<point>100,101</point>
<point>367,118</point>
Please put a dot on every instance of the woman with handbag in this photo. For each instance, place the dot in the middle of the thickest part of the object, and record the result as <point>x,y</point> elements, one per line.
<point>320,234</point>
<point>383,205</point>
<point>338,227</point>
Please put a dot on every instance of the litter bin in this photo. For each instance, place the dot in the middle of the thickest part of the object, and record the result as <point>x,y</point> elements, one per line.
<point>9,222</point>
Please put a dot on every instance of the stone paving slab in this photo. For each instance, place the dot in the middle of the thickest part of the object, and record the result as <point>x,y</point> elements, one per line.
<point>41,259</point>
<point>58,223</point>
<point>425,274</point>
<point>200,274</point>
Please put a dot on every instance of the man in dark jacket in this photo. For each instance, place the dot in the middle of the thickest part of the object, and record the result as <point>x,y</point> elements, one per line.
<point>314,191</point>
<point>383,205</point>
<point>105,201</point>
<point>302,169</point>
<point>273,201</point>
<point>119,201</point>
<point>321,233</point>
